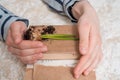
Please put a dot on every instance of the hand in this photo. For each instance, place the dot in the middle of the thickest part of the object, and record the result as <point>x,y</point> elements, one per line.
<point>27,51</point>
<point>90,40</point>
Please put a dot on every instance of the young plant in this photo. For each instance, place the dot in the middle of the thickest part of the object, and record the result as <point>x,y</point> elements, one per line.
<point>59,36</point>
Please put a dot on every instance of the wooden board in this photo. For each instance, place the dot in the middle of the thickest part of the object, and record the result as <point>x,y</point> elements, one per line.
<point>28,74</point>
<point>62,49</point>
<point>55,73</point>
<point>58,49</point>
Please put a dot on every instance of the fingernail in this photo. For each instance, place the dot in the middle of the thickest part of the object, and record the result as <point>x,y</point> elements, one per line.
<point>44,48</point>
<point>86,73</point>
<point>83,50</point>
<point>35,61</point>
<point>34,57</point>
<point>40,44</point>
<point>40,55</point>
<point>17,41</point>
<point>76,76</point>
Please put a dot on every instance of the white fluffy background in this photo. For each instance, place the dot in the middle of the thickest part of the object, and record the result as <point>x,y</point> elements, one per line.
<point>109,14</point>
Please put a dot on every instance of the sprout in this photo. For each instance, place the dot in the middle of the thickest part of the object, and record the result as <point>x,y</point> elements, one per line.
<point>59,37</point>
<point>46,33</point>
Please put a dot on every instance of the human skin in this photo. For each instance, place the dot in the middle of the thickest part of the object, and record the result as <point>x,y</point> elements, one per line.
<point>90,39</point>
<point>27,51</point>
<point>89,45</point>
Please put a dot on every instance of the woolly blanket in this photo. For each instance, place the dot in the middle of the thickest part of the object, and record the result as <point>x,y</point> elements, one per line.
<point>37,12</point>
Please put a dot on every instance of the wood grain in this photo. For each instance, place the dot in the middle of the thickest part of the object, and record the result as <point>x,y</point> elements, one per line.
<point>58,49</point>
<point>61,49</point>
<point>58,73</point>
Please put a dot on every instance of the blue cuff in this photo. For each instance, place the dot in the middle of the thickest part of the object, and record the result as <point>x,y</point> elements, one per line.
<point>8,23</point>
<point>68,4</point>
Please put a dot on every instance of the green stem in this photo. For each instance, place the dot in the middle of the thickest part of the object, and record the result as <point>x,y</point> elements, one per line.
<point>59,36</point>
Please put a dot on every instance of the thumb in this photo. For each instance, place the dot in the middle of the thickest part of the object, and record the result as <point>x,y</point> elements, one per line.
<point>84,30</point>
<point>17,31</point>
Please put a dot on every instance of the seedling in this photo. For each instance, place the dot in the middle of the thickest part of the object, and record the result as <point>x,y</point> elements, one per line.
<point>59,37</point>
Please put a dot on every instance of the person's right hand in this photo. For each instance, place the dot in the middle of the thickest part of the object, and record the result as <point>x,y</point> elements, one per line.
<point>27,51</point>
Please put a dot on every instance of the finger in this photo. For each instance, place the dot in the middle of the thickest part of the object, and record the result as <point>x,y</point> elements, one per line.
<point>93,41</point>
<point>93,65</point>
<point>31,58</point>
<point>27,52</point>
<point>84,29</point>
<point>26,44</point>
<point>16,31</point>
<point>9,40</point>
<point>79,66</point>
<point>29,62</point>
<point>84,62</point>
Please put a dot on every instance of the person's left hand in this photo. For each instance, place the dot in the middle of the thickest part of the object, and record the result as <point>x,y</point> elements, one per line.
<point>90,40</point>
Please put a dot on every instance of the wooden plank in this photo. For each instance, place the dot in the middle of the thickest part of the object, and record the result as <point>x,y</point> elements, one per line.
<point>66,56</point>
<point>58,49</point>
<point>58,73</point>
<point>28,74</point>
<point>61,49</point>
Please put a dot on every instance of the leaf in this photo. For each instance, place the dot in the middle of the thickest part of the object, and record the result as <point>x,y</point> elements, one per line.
<point>59,36</point>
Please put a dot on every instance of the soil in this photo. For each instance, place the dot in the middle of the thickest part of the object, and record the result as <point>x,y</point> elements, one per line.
<point>34,33</point>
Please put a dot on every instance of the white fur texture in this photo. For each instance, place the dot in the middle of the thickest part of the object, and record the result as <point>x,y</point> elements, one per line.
<point>109,14</point>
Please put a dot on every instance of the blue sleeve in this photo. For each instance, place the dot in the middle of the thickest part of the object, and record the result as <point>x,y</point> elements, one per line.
<point>6,18</point>
<point>62,6</point>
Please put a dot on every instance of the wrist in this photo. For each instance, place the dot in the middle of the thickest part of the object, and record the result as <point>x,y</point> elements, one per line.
<point>79,8</point>
<point>18,23</point>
